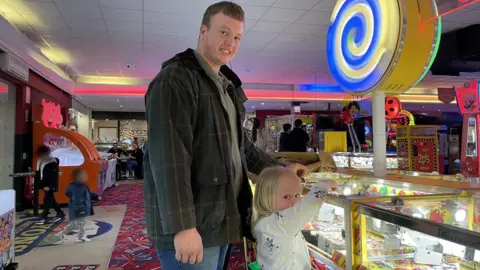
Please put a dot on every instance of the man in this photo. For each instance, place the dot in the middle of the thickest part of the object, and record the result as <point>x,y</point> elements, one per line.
<point>117,151</point>
<point>197,195</point>
<point>298,138</point>
<point>283,138</point>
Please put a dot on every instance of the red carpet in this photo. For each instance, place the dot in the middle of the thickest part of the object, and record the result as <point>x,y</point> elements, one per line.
<point>132,249</point>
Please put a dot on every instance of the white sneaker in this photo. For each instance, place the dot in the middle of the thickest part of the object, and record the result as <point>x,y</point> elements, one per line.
<point>83,239</point>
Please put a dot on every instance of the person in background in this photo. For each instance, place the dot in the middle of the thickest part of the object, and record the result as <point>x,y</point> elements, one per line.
<point>116,150</point>
<point>135,162</point>
<point>80,204</point>
<point>260,137</point>
<point>197,195</point>
<point>298,139</point>
<point>47,177</point>
<point>283,139</point>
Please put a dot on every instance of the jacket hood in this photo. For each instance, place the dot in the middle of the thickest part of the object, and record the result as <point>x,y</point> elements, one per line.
<point>188,60</point>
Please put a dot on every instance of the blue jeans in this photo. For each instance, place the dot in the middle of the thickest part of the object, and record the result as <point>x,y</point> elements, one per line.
<point>213,259</point>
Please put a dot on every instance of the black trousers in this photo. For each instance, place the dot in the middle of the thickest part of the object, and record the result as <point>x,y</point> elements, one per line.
<point>50,202</point>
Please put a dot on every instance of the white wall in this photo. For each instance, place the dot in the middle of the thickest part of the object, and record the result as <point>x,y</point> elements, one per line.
<point>103,124</point>
<point>83,119</point>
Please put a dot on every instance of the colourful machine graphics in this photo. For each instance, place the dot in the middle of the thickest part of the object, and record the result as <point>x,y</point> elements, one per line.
<point>377,45</point>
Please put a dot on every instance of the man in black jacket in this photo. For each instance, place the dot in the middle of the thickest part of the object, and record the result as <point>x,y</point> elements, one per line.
<point>298,139</point>
<point>197,195</point>
<point>47,178</point>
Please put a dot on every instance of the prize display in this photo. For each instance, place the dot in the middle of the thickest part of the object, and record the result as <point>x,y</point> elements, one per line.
<point>390,246</point>
<point>361,160</point>
<point>72,149</point>
<point>328,231</point>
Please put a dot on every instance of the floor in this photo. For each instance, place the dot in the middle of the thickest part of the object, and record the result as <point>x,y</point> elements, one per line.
<point>117,233</point>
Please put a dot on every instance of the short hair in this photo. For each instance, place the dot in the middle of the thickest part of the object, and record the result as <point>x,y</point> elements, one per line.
<point>76,173</point>
<point>298,123</point>
<point>43,150</point>
<point>228,8</point>
<point>287,127</point>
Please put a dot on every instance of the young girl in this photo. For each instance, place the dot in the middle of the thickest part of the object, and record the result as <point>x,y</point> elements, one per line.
<point>80,205</point>
<point>280,214</point>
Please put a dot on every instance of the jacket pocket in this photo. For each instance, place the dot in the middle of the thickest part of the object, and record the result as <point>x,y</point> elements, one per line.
<point>210,197</point>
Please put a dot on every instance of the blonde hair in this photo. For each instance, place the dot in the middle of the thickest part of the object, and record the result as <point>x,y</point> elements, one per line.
<point>265,189</point>
<point>326,163</point>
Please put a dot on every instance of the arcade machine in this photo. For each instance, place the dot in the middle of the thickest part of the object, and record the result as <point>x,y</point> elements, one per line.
<point>7,230</point>
<point>468,103</point>
<point>72,149</point>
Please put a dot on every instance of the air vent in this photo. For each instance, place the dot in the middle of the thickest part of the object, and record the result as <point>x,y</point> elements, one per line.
<point>13,65</point>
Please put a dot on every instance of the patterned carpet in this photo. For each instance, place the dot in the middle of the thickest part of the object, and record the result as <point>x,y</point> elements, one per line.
<point>132,249</point>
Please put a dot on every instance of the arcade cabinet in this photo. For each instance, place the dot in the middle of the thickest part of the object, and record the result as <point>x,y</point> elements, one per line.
<point>468,104</point>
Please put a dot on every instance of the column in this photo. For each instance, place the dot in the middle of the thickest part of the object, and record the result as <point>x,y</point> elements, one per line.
<point>379,135</point>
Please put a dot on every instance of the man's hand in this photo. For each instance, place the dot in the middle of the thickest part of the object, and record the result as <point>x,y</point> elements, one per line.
<point>46,188</point>
<point>188,246</point>
<point>299,169</point>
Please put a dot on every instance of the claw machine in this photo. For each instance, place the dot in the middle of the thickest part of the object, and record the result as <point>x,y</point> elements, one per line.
<point>468,103</point>
<point>72,149</point>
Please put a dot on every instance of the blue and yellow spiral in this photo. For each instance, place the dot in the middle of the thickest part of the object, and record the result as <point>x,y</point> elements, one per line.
<point>360,42</point>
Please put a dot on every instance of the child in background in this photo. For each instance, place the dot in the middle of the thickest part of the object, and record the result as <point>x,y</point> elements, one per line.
<point>80,205</point>
<point>47,179</point>
<point>280,213</point>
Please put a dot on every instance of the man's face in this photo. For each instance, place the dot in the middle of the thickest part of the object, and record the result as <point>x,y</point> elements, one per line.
<point>115,146</point>
<point>221,41</point>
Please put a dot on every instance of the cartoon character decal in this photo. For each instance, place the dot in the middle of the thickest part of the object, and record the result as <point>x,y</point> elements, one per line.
<point>52,114</point>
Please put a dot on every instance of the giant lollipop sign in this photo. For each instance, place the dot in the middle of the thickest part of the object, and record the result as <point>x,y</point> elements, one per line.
<point>377,44</point>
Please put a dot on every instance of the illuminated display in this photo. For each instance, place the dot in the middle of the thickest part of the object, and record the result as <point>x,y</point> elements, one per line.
<point>376,45</point>
<point>361,40</point>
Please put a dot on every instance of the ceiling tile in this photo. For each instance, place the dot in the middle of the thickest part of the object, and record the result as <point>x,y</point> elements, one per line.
<point>7,8</point>
<point>265,3</point>
<point>35,8</point>
<point>75,8</point>
<point>126,4</point>
<point>278,46</point>
<point>253,45</point>
<point>259,36</point>
<point>179,6</point>
<point>448,26</point>
<point>126,15</point>
<point>45,21</point>
<point>81,23</point>
<point>303,29</point>
<point>315,17</point>
<point>290,38</point>
<point>274,27</point>
<point>254,12</point>
<point>130,27</point>
<point>325,5</point>
<point>156,17</point>
<point>155,29</point>
<point>296,4</point>
<point>282,15</point>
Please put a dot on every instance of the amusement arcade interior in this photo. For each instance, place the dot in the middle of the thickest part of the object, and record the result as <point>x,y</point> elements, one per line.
<point>385,97</point>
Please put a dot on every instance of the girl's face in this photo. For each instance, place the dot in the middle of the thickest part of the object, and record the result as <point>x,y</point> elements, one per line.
<point>289,192</point>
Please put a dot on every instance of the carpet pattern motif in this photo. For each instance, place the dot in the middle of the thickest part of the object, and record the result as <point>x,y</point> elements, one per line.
<point>132,249</point>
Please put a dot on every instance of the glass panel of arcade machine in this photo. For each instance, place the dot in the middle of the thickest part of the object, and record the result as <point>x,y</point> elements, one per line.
<point>326,231</point>
<point>389,244</point>
<point>472,138</point>
<point>63,149</point>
